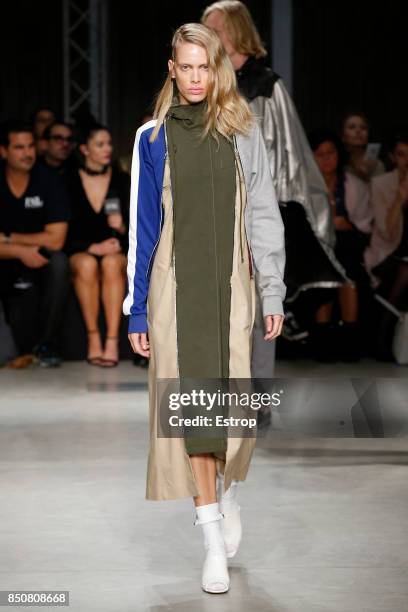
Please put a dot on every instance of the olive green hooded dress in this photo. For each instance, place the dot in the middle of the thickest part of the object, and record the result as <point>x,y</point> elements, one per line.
<point>201,299</point>
<point>202,171</point>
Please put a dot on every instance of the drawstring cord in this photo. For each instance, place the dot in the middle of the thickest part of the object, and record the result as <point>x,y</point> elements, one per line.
<point>238,162</point>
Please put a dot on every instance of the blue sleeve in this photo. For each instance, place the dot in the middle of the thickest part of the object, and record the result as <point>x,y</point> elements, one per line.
<point>144,230</point>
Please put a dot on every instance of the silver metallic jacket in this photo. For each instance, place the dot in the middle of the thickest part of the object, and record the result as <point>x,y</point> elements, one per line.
<point>294,171</point>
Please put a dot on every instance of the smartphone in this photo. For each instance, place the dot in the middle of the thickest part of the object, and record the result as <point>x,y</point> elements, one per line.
<point>372,151</point>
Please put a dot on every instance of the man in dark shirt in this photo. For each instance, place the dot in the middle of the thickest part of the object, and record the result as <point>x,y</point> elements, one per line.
<point>57,145</point>
<point>34,214</point>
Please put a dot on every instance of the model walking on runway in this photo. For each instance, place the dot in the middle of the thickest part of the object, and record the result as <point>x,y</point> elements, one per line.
<point>204,226</point>
<point>299,185</point>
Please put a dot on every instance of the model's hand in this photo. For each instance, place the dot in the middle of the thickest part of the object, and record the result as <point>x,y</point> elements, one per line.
<point>140,344</point>
<point>31,258</point>
<point>273,326</point>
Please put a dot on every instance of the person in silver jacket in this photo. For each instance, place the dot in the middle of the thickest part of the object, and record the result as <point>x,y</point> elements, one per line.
<point>299,185</point>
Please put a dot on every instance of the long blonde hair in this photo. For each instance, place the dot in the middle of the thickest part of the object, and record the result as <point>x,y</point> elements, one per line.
<point>227,111</point>
<point>239,26</point>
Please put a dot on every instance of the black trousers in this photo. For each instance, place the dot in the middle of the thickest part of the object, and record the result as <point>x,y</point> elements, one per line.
<point>34,300</point>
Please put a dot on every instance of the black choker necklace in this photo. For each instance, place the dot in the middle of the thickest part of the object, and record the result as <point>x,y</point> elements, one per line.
<point>96,172</point>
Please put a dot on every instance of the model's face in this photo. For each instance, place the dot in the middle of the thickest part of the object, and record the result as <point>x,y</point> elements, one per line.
<point>98,149</point>
<point>355,132</point>
<point>326,157</point>
<point>20,153</point>
<point>190,69</point>
<point>216,21</point>
<point>59,145</point>
<point>400,158</point>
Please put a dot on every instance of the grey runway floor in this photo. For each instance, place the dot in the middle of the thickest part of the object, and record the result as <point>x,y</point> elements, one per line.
<point>325,520</point>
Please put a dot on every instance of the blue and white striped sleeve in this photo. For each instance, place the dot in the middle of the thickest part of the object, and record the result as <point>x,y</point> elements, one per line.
<point>144,229</point>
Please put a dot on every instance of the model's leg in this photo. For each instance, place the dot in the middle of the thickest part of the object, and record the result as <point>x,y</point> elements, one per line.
<point>113,293</point>
<point>205,472</point>
<point>85,272</point>
<point>215,578</point>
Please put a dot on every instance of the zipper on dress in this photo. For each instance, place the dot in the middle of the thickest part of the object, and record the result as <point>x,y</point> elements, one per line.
<point>217,277</point>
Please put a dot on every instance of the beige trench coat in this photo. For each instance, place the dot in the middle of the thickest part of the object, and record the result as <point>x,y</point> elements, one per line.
<point>169,472</point>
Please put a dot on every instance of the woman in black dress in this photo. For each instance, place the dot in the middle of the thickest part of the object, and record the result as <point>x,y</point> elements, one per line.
<point>352,219</point>
<point>97,240</point>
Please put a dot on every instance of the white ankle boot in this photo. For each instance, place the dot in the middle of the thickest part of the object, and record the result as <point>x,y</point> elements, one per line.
<point>231,525</point>
<point>215,578</point>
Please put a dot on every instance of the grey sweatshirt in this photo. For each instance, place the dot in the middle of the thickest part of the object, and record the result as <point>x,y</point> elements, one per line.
<point>263,222</point>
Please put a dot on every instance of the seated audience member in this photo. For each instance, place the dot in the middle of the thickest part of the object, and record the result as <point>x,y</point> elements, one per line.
<point>41,118</point>
<point>352,217</point>
<point>386,257</point>
<point>34,216</point>
<point>97,241</point>
<point>354,133</point>
<point>125,161</point>
<point>57,143</point>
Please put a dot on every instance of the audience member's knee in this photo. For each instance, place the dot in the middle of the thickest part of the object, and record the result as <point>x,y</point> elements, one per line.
<point>84,265</point>
<point>113,264</point>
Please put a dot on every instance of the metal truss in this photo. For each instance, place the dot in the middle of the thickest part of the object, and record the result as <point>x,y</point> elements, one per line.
<point>85,58</point>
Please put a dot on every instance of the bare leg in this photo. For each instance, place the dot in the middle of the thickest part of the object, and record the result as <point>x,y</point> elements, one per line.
<point>324,313</point>
<point>113,293</point>
<point>85,272</point>
<point>348,298</point>
<point>204,468</point>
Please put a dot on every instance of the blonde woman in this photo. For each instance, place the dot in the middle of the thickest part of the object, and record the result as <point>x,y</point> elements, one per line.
<point>299,185</point>
<point>203,219</point>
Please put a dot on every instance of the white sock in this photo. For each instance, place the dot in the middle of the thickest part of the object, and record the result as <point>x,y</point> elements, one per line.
<point>209,517</point>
